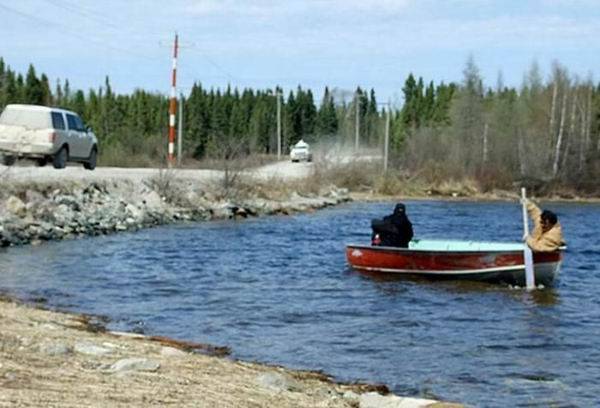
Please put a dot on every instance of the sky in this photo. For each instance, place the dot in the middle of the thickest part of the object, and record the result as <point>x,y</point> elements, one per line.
<point>313,43</point>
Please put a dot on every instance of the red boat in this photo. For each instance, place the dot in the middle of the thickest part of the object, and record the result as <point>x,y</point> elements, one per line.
<point>487,261</point>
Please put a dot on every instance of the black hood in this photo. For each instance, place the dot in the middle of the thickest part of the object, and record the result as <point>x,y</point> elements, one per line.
<point>399,209</point>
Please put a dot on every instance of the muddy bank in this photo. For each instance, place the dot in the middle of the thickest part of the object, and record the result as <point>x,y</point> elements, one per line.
<point>36,212</point>
<point>55,359</point>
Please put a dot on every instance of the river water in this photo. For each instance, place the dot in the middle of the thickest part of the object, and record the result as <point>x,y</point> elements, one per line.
<point>278,290</point>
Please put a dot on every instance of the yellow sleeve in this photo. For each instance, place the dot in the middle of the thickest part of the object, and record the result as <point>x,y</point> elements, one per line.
<point>535,214</point>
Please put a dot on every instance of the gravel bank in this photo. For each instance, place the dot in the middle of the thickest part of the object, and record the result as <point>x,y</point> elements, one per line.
<point>33,212</point>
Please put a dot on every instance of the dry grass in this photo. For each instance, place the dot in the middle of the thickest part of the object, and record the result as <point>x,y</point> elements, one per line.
<point>19,188</point>
<point>399,184</point>
<point>353,175</point>
<point>165,183</point>
<point>361,177</point>
<point>453,188</point>
<point>130,152</point>
<point>247,162</point>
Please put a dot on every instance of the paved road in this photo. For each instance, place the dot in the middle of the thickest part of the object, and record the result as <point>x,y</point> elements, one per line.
<point>29,172</point>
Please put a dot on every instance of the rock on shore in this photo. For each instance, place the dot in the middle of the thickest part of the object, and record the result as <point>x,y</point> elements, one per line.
<point>31,213</point>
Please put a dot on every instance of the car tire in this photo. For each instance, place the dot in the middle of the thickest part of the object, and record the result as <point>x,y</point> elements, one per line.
<point>8,160</point>
<point>41,162</point>
<point>90,164</point>
<point>60,158</point>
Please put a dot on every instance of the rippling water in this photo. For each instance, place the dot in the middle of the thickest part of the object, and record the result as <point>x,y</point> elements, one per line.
<point>278,290</point>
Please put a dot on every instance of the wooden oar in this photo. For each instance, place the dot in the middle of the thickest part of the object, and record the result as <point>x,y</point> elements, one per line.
<point>527,254</point>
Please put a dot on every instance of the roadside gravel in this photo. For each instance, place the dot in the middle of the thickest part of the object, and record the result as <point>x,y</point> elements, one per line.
<point>284,170</point>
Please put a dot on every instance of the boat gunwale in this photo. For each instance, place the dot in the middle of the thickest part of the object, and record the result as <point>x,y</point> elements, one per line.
<point>442,251</point>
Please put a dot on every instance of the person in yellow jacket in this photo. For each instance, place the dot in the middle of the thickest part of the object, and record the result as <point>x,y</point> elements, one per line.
<point>547,233</point>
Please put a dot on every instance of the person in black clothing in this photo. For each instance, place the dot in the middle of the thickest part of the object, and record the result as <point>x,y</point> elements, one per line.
<point>393,230</point>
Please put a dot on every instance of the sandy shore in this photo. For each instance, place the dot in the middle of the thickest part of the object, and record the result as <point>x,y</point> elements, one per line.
<point>53,359</point>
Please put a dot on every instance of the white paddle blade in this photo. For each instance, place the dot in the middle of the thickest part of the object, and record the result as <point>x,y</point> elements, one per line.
<point>527,254</point>
<point>529,274</point>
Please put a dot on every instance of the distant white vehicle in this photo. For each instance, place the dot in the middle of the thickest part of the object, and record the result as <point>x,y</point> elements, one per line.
<point>46,134</point>
<point>301,152</point>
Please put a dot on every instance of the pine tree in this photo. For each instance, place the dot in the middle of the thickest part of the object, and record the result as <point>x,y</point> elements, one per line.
<point>290,126</point>
<point>261,124</point>
<point>443,100</point>
<point>11,92</point>
<point>20,93</point>
<point>372,103</point>
<point>412,101</point>
<point>327,122</point>
<point>47,98</point>
<point>429,105</point>
<point>79,105</point>
<point>2,84</point>
<point>372,120</point>
<point>58,94</point>
<point>67,93</point>
<point>238,122</point>
<point>308,114</point>
<point>34,94</point>
<point>197,120</point>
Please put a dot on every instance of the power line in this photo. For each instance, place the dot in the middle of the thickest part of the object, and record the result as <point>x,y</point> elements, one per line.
<point>78,10</point>
<point>72,33</point>
<point>193,47</point>
<point>98,18</point>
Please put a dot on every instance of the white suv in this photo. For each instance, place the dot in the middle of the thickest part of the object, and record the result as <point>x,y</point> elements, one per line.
<point>301,151</point>
<point>46,134</point>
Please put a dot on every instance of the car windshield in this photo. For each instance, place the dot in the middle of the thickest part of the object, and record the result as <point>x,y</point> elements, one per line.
<point>300,148</point>
<point>30,119</point>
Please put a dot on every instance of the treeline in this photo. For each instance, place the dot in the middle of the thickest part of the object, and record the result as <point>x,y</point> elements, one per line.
<point>127,126</point>
<point>543,130</point>
<point>130,126</point>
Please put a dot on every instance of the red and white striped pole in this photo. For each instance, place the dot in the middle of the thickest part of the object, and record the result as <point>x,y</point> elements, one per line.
<point>173,106</point>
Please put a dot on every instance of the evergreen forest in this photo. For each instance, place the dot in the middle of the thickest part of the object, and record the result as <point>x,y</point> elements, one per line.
<point>547,129</point>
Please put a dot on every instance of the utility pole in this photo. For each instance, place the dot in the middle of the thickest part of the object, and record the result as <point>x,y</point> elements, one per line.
<point>173,105</point>
<point>386,141</point>
<point>357,124</point>
<point>278,96</point>
<point>180,131</point>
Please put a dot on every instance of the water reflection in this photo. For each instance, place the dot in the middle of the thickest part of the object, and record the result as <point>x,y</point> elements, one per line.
<point>544,296</point>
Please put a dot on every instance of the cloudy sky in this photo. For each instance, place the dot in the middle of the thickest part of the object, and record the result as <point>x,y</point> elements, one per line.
<point>313,43</point>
